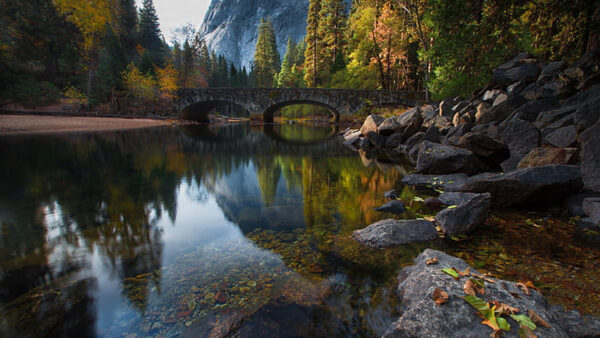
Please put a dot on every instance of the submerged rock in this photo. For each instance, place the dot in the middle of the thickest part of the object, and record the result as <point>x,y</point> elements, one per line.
<point>394,207</point>
<point>391,232</point>
<point>391,194</point>
<point>472,211</point>
<point>422,317</point>
<point>526,186</point>
<point>435,181</point>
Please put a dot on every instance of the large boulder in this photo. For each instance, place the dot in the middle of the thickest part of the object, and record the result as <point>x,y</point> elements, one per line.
<point>499,112</point>
<point>530,110</point>
<point>463,218</point>
<point>590,162</point>
<point>410,122</point>
<point>543,156</point>
<point>551,71</point>
<point>391,232</point>
<point>526,186</point>
<point>562,137</point>
<point>520,137</point>
<point>422,317</point>
<point>546,118</point>
<point>435,158</point>
<point>588,111</point>
<point>434,181</point>
<point>493,150</point>
<point>389,126</point>
<point>574,203</point>
<point>371,124</point>
<point>516,70</point>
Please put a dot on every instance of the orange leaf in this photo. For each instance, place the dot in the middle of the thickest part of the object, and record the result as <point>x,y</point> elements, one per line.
<point>523,288</point>
<point>537,320</point>
<point>469,288</point>
<point>505,308</point>
<point>440,296</point>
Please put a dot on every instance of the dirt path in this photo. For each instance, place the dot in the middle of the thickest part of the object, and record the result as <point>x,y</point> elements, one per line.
<point>32,124</point>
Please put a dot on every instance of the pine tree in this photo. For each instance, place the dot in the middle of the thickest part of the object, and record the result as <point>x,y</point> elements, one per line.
<point>284,79</point>
<point>111,64</point>
<point>149,32</point>
<point>333,23</point>
<point>127,21</point>
<point>311,54</point>
<point>266,56</point>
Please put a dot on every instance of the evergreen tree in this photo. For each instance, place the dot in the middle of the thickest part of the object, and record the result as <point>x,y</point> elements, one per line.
<point>127,21</point>
<point>284,79</point>
<point>112,62</point>
<point>234,78</point>
<point>313,41</point>
<point>266,56</point>
<point>331,28</point>
<point>147,65</point>
<point>149,32</point>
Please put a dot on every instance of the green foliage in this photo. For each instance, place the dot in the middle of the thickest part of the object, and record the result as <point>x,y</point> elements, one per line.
<point>524,320</point>
<point>452,273</point>
<point>266,56</point>
<point>149,33</point>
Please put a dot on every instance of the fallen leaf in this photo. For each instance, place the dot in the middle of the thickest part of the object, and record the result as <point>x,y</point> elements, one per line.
<point>431,261</point>
<point>469,288</point>
<point>452,272</point>
<point>529,284</point>
<point>465,273</point>
<point>524,321</point>
<point>523,288</point>
<point>496,334</point>
<point>503,324</point>
<point>505,308</point>
<point>440,296</point>
<point>489,280</point>
<point>537,319</point>
<point>525,332</point>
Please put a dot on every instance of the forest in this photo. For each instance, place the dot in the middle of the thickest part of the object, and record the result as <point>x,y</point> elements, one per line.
<point>112,56</point>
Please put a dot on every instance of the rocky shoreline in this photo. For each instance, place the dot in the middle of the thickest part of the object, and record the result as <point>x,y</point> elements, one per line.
<point>531,137</point>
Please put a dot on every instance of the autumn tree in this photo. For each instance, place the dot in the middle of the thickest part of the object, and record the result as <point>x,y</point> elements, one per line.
<point>266,56</point>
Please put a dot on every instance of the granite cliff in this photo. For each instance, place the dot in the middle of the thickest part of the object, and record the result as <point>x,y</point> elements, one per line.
<point>230,27</point>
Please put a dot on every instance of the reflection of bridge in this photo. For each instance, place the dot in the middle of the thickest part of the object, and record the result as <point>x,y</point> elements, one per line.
<point>195,104</point>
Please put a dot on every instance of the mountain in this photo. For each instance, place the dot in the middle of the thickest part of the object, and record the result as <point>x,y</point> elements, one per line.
<point>230,27</point>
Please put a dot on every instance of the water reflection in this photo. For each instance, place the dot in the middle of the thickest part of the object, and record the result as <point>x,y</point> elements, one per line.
<point>167,231</point>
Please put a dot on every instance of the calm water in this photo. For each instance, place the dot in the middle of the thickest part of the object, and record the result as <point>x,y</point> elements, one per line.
<point>195,231</point>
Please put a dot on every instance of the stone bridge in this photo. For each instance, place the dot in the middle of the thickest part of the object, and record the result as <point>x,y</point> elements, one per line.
<point>195,104</point>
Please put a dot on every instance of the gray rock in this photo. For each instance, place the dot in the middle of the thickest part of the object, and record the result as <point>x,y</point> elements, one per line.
<point>377,140</point>
<point>590,162</point>
<point>500,112</point>
<point>563,122</point>
<point>352,136</point>
<point>588,113</point>
<point>466,216</point>
<point>389,126</point>
<point>553,89</point>
<point>433,135</point>
<point>574,203</point>
<point>410,122</point>
<point>543,156</point>
<point>490,95</point>
<point>391,232</point>
<point>515,88</point>
<point>459,130</point>
<point>530,110</point>
<point>524,72</point>
<point>394,140</point>
<point>415,139</point>
<point>434,181</point>
<point>562,137</point>
<point>435,158</point>
<point>391,194</point>
<point>520,137</point>
<point>551,71</point>
<point>422,317</point>
<point>485,146</point>
<point>456,198</point>
<point>526,186</point>
<point>394,207</point>
<point>458,107</point>
<point>428,112</point>
<point>591,207</point>
<point>546,118</point>
<point>371,124</point>
<point>446,108</point>
<point>499,99</point>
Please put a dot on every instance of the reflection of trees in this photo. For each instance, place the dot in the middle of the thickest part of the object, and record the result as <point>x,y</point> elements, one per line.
<point>268,173</point>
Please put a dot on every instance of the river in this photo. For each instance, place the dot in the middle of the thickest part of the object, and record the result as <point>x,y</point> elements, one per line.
<point>198,230</point>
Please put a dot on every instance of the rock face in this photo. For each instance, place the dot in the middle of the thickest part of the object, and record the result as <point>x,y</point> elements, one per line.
<point>231,29</point>
<point>391,232</point>
<point>531,185</point>
<point>422,317</point>
<point>466,216</point>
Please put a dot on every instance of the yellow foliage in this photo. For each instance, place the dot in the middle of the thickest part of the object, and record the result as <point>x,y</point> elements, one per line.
<point>167,81</point>
<point>89,16</point>
<point>139,85</point>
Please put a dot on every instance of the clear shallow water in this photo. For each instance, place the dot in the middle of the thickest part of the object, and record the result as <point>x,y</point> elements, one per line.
<point>195,231</point>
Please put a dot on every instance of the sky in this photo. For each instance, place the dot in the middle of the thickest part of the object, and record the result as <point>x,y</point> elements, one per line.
<point>175,13</point>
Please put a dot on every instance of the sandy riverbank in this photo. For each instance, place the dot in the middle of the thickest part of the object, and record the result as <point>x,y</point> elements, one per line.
<point>34,124</point>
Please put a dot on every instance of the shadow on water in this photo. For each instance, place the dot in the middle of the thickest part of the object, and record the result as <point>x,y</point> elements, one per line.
<point>204,230</point>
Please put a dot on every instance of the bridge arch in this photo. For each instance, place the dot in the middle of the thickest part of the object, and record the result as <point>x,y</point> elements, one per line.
<point>199,111</point>
<point>269,113</point>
